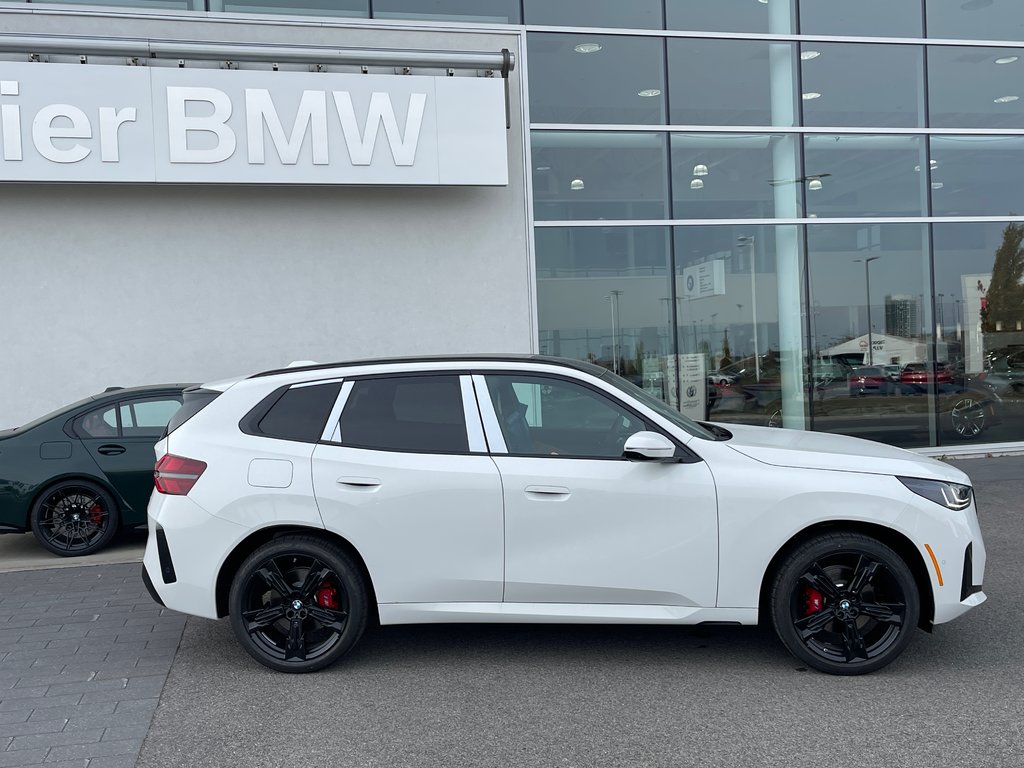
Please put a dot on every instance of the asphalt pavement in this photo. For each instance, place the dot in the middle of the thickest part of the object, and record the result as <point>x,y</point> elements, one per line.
<point>489,695</point>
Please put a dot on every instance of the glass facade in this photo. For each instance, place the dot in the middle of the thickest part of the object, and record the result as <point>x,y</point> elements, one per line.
<point>807,212</point>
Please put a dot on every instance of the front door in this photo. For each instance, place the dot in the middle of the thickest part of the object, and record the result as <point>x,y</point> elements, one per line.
<point>583,524</point>
<point>405,477</point>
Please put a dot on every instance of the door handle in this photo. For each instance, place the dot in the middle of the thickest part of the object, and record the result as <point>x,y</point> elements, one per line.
<point>547,492</point>
<point>111,450</point>
<point>360,483</point>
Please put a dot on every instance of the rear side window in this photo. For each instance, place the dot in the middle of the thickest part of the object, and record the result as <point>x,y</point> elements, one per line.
<point>193,401</point>
<point>298,413</point>
<point>147,418</point>
<point>99,423</point>
<point>419,414</point>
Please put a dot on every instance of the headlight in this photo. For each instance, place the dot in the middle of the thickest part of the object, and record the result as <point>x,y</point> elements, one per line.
<point>949,495</point>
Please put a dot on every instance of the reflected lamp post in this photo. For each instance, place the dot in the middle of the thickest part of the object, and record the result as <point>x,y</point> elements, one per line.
<point>614,300</point>
<point>741,241</point>
<point>867,297</point>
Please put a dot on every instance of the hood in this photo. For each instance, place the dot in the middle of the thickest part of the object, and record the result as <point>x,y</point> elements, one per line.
<point>821,450</point>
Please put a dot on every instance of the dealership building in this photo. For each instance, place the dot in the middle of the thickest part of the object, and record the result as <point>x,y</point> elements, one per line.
<point>803,213</point>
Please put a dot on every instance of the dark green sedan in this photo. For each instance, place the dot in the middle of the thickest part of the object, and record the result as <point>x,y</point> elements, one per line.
<point>78,475</point>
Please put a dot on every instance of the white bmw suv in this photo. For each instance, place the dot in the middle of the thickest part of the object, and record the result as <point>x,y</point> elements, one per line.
<point>304,503</point>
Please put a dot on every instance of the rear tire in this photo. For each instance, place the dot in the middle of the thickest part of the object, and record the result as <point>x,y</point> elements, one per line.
<point>298,604</point>
<point>844,603</point>
<point>74,518</point>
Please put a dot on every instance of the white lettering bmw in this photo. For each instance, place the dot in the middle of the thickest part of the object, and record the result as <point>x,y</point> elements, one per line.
<point>304,503</point>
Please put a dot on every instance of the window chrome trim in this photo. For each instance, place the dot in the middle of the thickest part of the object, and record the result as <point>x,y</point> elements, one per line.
<point>779,222</point>
<point>770,129</point>
<point>773,38</point>
<point>474,427</point>
<point>332,430</point>
<point>495,438</point>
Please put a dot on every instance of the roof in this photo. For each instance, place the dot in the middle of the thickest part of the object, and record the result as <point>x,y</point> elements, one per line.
<point>579,365</point>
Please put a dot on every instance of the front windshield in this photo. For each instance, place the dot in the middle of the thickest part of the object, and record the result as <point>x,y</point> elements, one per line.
<point>658,406</point>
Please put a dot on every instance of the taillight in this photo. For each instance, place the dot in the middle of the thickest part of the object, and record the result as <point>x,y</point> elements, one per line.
<point>175,475</point>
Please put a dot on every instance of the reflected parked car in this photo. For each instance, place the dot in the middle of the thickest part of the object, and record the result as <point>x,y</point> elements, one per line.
<point>868,378</point>
<point>76,476</point>
<point>1004,371</point>
<point>923,373</point>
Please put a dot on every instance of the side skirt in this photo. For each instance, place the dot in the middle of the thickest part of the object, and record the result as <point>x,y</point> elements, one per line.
<point>558,613</point>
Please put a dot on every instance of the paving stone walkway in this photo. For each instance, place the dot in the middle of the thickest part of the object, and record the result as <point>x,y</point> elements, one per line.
<point>84,654</point>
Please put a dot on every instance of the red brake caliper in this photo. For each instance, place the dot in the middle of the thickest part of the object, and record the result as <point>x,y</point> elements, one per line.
<point>327,597</point>
<point>96,515</point>
<point>813,600</point>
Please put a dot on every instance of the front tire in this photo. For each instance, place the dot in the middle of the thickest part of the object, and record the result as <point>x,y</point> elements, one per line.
<point>74,518</point>
<point>298,604</point>
<point>844,603</point>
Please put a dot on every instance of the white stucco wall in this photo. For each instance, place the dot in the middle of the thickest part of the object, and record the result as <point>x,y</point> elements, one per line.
<point>105,285</point>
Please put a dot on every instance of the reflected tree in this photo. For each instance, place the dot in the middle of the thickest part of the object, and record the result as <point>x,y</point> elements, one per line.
<point>1003,307</point>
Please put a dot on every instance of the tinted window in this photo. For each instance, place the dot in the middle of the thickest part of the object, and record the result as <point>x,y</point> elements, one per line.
<point>415,413</point>
<point>147,417</point>
<point>543,416</point>
<point>300,413</point>
<point>99,423</point>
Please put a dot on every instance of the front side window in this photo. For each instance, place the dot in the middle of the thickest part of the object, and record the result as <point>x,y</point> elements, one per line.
<point>542,416</point>
<point>419,414</point>
<point>147,418</point>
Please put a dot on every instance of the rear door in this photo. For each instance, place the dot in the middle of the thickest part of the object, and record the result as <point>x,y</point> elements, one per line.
<point>120,437</point>
<point>405,476</point>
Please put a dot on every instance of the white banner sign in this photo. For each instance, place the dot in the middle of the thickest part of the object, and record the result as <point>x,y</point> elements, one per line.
<point>66,122</point>
<point>707,279</point>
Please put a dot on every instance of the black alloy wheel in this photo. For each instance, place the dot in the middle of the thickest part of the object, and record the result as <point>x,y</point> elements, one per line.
<point>845,604</point>
<point>74,518</point>
<point>298,604</point>
<point>967,417</point>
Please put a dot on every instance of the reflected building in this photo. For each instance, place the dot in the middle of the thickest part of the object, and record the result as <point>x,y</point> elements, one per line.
<point>903,316</point>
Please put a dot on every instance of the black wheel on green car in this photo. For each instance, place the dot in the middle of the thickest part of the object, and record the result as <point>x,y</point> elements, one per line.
<point>74,518</point>
<point>298,604</point>
<point>844,603</point>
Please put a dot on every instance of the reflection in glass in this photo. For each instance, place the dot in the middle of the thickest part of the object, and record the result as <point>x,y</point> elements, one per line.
<point>177,5</point>
<point>977,175</point>
<point>979,282</point>
<point>489,11</point>
<point>602,295</point>
<point>863,175</point>
<point>775,16</point>
<point>597,175</point>
<point>741,176</point>
<point>872,367</point>
<point>975,87</point>
<point>863,18</point>
<point>735,85</point>
<point>636,14</point>
<point>861,85</point>
<point>581,78</point>
<point>349,8</point>
<point>738,312</point>
<point>975,19</point>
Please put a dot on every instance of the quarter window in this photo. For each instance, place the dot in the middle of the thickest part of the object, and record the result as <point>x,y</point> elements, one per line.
<point>420,414</point>
<point>99,423</point>
<point>300,413</point>
<point>541,416</point>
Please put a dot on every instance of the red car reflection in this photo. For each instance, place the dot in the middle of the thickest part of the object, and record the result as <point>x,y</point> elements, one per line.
<point>923,373</point>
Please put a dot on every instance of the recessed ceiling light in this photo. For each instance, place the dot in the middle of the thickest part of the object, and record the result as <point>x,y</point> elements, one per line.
<point>937,185</point>
<point>1006,99</point>
<point>649,92</point>
<point>1006,59</point>
<point>808,55</point>
<point>696,184</point>
<point>763,2</point>
<point>810,95</point>
<point>700,170</point>
<point>543,167</point>
<point>814,184</point>
<point>576,185</point>
<point>587,48</point>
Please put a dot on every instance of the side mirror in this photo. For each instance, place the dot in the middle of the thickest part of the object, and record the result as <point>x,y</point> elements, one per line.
<point>648,445</point>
